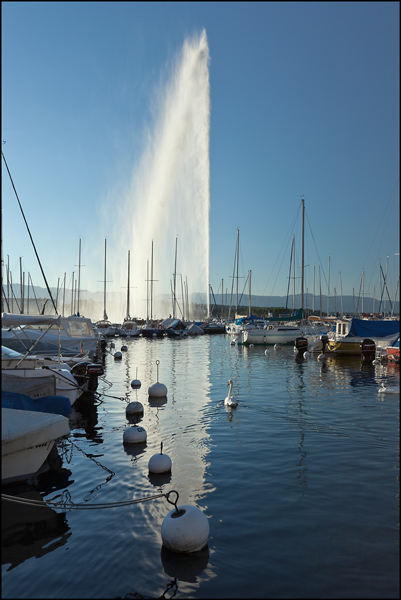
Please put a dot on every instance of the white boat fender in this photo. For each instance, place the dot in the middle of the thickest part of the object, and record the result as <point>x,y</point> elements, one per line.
<point>134,408</point>
<point>185,529</point>
<point>157,390</point>
<point>159,463</point>
<point>134,435</point>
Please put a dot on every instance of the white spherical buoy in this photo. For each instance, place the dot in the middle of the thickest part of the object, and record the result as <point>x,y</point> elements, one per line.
<point>124,348</point>
<point>157,390</point>
<point>376,361</point>
<point>251,345</point>
<point>322,357</point>
<point>112,345</point>
<point>277,346</point>
<point>134,408</point>
<point>185,529</point>
<point>306,355</point>
<point>135,383</point>
<point>232,342</point>
<point>117,355</point>
<point>160,463</point>
<point>134,435</point>
<point>267,352</point>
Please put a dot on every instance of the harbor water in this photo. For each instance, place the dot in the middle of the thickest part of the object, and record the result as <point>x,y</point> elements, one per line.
<point>299,482</point>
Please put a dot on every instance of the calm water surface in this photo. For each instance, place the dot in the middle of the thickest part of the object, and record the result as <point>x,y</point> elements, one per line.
<point>300,482</point>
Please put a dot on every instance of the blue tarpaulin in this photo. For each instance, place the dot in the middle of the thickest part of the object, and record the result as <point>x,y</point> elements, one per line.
<point>377,329</point>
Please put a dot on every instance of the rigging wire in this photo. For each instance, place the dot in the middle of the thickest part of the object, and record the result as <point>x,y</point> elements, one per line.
<point>34,247</point>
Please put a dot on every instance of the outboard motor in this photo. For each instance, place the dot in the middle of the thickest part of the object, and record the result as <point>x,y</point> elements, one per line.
<point>301,344</point>
<point>325,340</point>
<point>86,373</point>
<point>368,350</point>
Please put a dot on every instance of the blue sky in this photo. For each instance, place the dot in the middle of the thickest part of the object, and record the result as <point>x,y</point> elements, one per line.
<point>304,101</point>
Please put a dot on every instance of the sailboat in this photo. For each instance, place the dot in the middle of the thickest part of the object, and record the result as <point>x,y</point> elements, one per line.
<point>148,330</point>
<point>129,328</point>
<point>279,332</point>
<point>104,327</point>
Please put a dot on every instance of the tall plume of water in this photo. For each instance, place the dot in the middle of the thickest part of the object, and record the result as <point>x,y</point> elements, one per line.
<point>169,197</point>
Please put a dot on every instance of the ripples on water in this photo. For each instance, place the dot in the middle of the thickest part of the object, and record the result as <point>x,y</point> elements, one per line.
<point>300,482</point>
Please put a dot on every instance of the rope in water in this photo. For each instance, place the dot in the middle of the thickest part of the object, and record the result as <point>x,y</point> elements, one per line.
<point>67,504</point>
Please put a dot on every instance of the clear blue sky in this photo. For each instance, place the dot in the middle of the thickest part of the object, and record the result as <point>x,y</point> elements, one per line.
<point>304,101</point>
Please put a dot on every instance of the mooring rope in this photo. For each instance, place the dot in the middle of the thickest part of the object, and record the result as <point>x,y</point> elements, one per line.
<point>67,504</point>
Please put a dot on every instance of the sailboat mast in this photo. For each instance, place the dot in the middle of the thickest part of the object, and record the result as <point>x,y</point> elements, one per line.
<point>128,315</point>
<point>104,289</point>
<point>250,296</point>
<point>302,254</point>
<point>175,277</point>
<point>293,274</point>
<point>236,297</point>
<point>79,275</point>
<point>151,285</point>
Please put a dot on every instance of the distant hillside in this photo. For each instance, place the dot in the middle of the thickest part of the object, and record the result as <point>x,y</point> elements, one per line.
<point>350,304</point>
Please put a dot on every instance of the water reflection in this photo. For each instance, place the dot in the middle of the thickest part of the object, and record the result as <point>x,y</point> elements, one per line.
<point>185,567</point>
<point>30,531</point>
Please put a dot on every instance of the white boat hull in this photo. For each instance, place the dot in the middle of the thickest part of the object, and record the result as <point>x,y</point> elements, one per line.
<point>276,335</point>
<point>27,438</point>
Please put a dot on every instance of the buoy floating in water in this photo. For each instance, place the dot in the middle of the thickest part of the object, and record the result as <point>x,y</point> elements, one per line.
<point>112,345</point>
<point>134,435</point>
<point>157,390</point>
<point>124,348</point>
<point>135,383</point>
<point>134,408</point>
<point>185,529</point>
<point>159,463</point>
<point>267,352</point>
<point>117,355</point>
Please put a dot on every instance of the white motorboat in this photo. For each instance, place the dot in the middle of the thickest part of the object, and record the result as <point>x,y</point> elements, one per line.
<point>49,335</point>
<point>270,334</point>
<point>27,438</point>
<point>37,377</point>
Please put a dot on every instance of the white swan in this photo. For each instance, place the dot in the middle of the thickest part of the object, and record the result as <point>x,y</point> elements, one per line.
<point>389,389</point>
<point>229,401</point>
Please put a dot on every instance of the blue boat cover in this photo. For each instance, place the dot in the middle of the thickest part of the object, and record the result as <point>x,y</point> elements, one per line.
<point>59,405</point>
<point>378,329</point>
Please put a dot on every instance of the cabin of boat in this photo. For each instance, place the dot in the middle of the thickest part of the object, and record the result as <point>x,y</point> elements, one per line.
<point>349,334</point>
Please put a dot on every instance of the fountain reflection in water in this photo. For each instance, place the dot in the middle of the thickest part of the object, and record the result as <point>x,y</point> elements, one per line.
<point>169,191</point>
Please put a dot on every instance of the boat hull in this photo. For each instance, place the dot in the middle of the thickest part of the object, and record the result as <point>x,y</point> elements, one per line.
<point>27,438</point>
<point>265,337</point>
